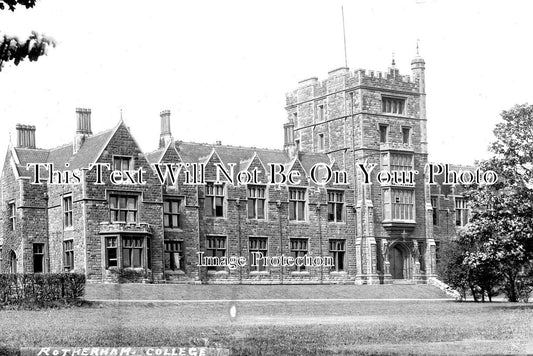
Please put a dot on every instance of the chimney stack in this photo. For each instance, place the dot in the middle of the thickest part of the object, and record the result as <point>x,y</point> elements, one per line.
<point>25,136</point>
<point>166,135</point>
<point>83,127</point>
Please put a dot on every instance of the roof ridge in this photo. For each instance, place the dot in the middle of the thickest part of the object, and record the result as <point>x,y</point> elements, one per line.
<point>214,145</point>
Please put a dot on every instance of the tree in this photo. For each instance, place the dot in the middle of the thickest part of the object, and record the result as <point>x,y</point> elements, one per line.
<point>500,232</point>
<point>13,49</point>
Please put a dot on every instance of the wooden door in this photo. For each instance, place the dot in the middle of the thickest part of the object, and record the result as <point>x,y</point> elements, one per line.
<point>396,263</point>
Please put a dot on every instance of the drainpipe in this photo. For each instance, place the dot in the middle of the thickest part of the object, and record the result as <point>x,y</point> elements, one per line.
<point>238,206</point>
<point>45,196</point>
<point>278,204</point>
<point>318,209</point>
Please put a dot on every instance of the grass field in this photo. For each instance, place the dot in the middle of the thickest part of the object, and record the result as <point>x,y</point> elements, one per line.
<point>283,328</point>
<point>235,292</point>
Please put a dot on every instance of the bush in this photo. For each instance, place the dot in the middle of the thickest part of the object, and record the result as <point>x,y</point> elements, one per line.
<point>127,275</point>
<point>40,289</point>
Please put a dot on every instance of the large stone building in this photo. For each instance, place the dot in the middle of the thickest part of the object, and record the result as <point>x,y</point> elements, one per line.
<point>69,217</point>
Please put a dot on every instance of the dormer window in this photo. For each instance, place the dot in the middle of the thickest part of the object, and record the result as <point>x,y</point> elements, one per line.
<point>122,163</point>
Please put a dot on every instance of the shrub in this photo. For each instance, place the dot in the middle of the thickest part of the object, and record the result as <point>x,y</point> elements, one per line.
<point>40,289</point>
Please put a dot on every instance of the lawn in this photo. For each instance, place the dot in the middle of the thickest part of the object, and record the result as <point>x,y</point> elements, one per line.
<point>284,328</point>
<point>243,291</point>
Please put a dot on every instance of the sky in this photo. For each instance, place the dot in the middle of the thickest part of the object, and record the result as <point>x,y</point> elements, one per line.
<point>223,67</point>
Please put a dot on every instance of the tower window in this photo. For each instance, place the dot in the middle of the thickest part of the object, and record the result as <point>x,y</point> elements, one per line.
<point>12,215</point>
<point>295,119</point>
<point>435,211</point>
<point>321,142</point>
<point>320,112</point>
<point>401,162</point>
<point>392,105</point>
<point>383,133</point>
<point>398,204</point>
<point>406,135</point>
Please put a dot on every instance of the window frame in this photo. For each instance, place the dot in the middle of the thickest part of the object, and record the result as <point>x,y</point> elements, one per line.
<point>68,255</point>
<point>333,206</point>
<point>461,211</point>
<point>406,133</point>
<point>255,200</point>
<point>258,247</point>
<point>118,209</point>
<point>42,255</point>
<point>130,251</point>
<point>212,194</point>
<point>122,158</point>
<point>397,162</point>
<point>214,248</point>
<point>435,210</point>
<point>338,254</point>
<point>12,215</point>
<point>171,251</point>
<point>295,203</point>
<point>321,112</point>
<point>171,212</point>
<point>108,247</point>
<point>297,251</point>
<point>393,105</point>
<point>321,142</point>
<point>67,211</point>
<point>383,133</point>
<point>390,201</point>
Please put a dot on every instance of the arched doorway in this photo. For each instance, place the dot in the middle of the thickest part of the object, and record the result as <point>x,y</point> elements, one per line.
<point>12,262</point>
<point>399,262</point>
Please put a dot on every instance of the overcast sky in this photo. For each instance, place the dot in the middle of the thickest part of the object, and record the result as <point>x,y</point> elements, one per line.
<point>223,67</point>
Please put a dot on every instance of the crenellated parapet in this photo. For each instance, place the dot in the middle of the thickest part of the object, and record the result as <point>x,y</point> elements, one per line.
<point>343,79</point>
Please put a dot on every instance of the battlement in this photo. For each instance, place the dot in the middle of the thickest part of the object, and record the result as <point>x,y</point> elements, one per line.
<point>342,78</point>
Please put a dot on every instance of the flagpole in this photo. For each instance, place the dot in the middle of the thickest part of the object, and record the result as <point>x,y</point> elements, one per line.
<point>344,35</point>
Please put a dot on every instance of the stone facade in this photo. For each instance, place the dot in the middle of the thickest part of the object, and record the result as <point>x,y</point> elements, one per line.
<point>374,233</point>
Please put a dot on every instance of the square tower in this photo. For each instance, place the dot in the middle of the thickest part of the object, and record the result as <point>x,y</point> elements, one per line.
<point>378,119</point>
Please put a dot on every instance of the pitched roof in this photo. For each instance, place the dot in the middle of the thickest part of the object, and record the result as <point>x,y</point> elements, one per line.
<point>190,152</point>
<point>59,156</point>
<point>155,156</point>
<point>196,152</point>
